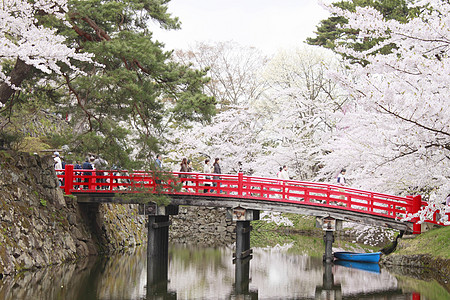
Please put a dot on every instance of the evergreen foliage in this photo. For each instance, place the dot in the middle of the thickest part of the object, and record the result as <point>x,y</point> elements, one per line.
<point>131,92</point>
<point>330,32</point>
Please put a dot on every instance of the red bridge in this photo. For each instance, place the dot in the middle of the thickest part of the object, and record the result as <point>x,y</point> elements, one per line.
<point>249,192</point>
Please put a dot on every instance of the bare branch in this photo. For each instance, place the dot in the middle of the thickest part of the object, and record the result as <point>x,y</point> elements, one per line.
<point>412,121</point>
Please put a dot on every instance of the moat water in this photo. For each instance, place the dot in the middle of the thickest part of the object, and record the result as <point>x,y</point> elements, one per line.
<point>275,272</point>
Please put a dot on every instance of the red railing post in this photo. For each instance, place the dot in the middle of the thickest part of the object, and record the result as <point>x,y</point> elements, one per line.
<point>92,180</point>
<point>415,207</point>
<point>328,195</point>
<point>240,183</point>
<point>371,202</point>
<point>196,183</point>
<point>68,179</point>
<point>154,184</point>
<point>111,180</point>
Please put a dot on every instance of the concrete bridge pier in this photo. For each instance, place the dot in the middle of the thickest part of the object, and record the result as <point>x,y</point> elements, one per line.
<point>243,229</point>
<point>158,248</point>
<point>242,256</point>
<point>328,225</point>
<point>242,217</point>
<point>328,239</point>
<point>158,229</point>
<point>158,237</point>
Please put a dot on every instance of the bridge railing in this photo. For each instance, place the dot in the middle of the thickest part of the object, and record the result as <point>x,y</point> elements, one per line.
<point>240,186</point>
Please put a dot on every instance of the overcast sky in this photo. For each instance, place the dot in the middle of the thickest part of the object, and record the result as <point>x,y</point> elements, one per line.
<point>265,24</point>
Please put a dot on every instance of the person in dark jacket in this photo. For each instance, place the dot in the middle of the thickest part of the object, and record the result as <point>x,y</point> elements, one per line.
<point>216,166</point>
<point>216,170</point>
<point>87,166</point>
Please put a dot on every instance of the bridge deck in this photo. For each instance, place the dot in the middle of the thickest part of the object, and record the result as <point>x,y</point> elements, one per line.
<point>257,204</point>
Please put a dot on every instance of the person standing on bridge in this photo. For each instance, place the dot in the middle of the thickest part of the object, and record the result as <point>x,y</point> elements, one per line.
<point>57,161</point>
<point>284,173</point>
<point>341,178</point>
<point>189,166</point>
<point>279,172</point>
<point>190,169</point>
<point>158,167</point>
<point>207,170</point>
<point>77,166</point>
<point>158,162</point>
<point>184,168</point>
<point>87,166</point>
<point>341,181</point>
<point>216,170</point>
<point>57,165</point>
<point>99,165</point>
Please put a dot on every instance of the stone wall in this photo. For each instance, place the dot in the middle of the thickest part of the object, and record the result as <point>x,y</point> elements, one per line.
<point>202,226</point>
<point>39,226</point>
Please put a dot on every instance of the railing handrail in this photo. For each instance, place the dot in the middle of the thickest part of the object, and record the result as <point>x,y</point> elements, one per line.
<point>242,186</point>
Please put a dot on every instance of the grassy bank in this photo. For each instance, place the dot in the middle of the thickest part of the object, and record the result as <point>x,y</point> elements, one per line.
<point>425,257</point>
<point>300,223</point>
<point>435,242</point>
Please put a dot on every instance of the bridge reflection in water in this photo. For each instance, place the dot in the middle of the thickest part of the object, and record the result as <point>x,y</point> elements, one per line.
<point>157,285</point>
<point>157,281</point>
<point>207,273</point>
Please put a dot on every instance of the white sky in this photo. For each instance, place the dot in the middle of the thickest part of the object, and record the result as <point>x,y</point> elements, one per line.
<point>268,25</point>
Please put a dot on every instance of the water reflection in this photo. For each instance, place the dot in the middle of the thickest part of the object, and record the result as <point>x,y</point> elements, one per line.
<point>199,273</point>
<point>157,280</point>
<point>329,289</point>
<point>369,267</point>
<point>242,280</point>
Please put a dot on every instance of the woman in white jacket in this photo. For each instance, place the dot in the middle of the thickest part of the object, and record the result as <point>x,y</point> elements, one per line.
<point>284,173</point>
<point>207,170</point>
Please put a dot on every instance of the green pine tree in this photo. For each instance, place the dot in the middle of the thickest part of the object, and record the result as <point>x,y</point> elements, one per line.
<point>329,31</point>
<point>134,91</point>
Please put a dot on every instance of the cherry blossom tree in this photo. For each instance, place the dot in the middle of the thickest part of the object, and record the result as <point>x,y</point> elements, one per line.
<point>25,43</point>
<point>231,135</point>
<point>285,124</point>
<point>233,70</point>
<point>301,106</point>
<point>396,138</point>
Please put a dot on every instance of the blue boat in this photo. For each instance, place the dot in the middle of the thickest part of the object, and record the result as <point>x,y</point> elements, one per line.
<point>361,257</point>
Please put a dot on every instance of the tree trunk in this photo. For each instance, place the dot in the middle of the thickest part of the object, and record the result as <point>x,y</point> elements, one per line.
<point>18,74</point>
